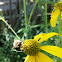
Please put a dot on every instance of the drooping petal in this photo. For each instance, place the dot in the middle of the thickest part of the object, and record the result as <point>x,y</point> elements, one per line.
<point>37,37</point>
<point>30,59</point>
<point>43,58</point>
<point>54,16</point>
<point>54,50</point>
<point>48,35</point>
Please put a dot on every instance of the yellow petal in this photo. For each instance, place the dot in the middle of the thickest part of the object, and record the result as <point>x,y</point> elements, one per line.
<point>54,16</point>
<point>43,58</point>
<point>30,59</point>
<point>54,50</point>
<point>48,35</point>
<point>37,37</point>
<point>26,58</point>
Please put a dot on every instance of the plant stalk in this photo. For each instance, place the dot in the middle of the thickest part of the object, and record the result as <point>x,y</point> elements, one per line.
<point>60,27</point>
<point>25,13</point>
<point>46,17</point>
<point>9,27</point>
<point>25,18</point>
<point>60,23</point>
<point>32,11</point>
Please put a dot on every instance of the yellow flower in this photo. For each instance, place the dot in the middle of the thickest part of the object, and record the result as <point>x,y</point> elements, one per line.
<point>55,13</point>
<point>32,48</point>
<point>31,0</point>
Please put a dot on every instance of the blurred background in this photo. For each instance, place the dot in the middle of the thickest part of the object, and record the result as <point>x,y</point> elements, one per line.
<point>26,27</point>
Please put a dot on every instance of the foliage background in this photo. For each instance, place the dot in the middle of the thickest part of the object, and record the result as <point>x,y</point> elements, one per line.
<point>37,25</point>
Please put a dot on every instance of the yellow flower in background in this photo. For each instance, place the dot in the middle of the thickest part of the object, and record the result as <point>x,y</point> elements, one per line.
<point>55,13</point>
<point>32,48</point>
<point>31,0</point>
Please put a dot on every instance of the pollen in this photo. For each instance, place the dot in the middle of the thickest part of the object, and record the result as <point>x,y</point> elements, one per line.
<point>58,5</point>
<point>31,47</point>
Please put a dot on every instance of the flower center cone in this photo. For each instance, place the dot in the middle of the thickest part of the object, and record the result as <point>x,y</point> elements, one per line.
<point>31,47</point>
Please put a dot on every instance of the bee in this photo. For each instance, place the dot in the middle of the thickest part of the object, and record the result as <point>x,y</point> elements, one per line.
<point>17,44</point>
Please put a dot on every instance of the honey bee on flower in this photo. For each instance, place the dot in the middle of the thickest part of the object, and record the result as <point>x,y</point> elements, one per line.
<point>17,45</point>
<point>32,48</point>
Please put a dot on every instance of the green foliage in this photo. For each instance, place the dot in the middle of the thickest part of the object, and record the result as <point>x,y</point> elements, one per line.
<point>32,23</point>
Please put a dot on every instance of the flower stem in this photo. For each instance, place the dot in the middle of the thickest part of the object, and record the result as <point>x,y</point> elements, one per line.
<point>25,13</point>
<point>60,27</point>
<point>60,22</point>
<point>9,27</point>
<point>33,10</point>
<point>46,17</point>
<point>25,18</point>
